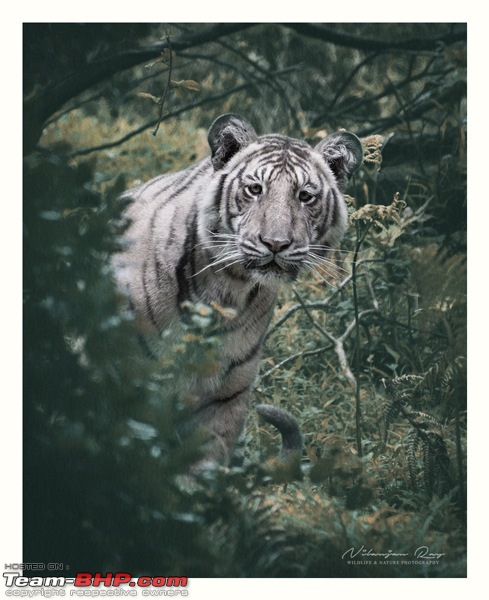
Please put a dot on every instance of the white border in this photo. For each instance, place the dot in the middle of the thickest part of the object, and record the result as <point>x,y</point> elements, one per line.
<point>11,266</point>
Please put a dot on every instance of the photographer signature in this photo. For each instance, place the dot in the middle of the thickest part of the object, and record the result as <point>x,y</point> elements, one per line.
<point>423,552</point>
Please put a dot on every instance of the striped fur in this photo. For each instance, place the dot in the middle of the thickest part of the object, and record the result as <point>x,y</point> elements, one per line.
<point>227,232</point>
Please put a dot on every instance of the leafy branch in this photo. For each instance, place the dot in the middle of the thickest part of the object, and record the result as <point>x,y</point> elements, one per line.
<point>167,57</point>
<point>189,84</point>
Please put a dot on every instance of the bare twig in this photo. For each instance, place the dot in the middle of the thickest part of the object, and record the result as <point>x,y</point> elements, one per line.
<point>354,278</point>
<point>167,87</point>
<point>408,125</point>
<point>274,85</point>
<point>338,342</point>
<point>354,106</point>
<point>320,304</point>
<point>294,357</point>
<point>315,324</point>
<point>349,79</point>
<point>419,109</point>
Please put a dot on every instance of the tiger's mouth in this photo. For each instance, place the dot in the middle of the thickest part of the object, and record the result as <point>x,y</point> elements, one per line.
<point>277,268</point>
<point>270,267</point>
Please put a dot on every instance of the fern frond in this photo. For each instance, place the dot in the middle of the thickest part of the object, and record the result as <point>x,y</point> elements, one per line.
<point>402,385</point>
<point>426,451</point>
<point>391,412</point>
<point>413,441</point>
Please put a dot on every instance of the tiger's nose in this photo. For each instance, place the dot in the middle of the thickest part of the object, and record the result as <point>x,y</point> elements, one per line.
<point>275,245</point>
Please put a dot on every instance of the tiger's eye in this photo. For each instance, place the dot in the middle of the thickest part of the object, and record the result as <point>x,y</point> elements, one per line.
<point>305,196</point>
<point>255,189</point>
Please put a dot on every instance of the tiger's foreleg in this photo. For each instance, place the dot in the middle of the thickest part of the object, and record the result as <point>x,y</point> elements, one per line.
<point>223,422</point>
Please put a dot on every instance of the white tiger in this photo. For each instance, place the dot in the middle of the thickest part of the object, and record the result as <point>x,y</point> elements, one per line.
<point>226,232</point>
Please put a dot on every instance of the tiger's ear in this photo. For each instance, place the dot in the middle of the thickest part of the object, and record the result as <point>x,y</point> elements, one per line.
<point>227,135</point>
<point>344,154</point>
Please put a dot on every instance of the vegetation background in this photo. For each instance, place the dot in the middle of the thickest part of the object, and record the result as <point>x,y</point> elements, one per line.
<point>370,357</point>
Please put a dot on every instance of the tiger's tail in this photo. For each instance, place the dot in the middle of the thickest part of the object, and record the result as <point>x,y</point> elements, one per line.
<point>292,442</point>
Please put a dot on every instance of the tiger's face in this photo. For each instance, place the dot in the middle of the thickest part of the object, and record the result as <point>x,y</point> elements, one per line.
<point>286,212</point>
<point>280,204</point>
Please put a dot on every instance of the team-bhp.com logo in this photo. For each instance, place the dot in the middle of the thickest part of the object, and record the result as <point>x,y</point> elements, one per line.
<point>17,583</point>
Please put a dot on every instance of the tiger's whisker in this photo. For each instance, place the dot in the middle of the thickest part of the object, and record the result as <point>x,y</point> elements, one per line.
<point>220,259</point>
<point>240,260</point>
<point>324,262</point>
<point>312,267</point>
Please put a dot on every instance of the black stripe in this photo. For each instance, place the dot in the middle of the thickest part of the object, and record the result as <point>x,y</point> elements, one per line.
<point>184,281</point>
<point>247,320</point>
<point>239,362</point>
<point>253,294</point>
<point>231,195</point>
<point>320,217</point>
<point>147,298</point>
<point>223,400</point>
<point>171,235</point>
<point>234,272</point>
<point>188,176</point>
<point>232,397</point>
<point>217,203</point>
<point>149,184</point>
<point>191,179</point>
<point>258,154</point>
<point>193,252</point>
<point>243,319</point>
<point>334,217</point>
<point>162,277</point>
